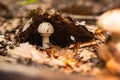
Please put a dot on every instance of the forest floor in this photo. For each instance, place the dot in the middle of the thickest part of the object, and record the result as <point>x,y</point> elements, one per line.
<point>23,58</point>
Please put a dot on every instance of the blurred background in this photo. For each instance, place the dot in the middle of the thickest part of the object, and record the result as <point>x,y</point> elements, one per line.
<point>18,8</point>
<point>87,10</point>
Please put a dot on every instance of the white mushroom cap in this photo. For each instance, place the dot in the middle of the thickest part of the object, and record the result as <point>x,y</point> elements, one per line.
<point>110,21</point>
<point>46,28</point>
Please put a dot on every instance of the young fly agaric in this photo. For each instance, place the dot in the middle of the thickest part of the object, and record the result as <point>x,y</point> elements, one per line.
<point>45,29</point>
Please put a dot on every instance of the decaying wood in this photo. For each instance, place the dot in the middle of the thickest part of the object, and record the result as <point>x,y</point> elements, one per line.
<point>65,27</point>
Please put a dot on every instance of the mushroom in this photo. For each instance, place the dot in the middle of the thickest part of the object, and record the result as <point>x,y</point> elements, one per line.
<point>110,21</point>
<point>45,29</point>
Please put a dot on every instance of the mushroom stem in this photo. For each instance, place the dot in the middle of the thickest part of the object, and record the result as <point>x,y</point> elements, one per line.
<point>45,40</point>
